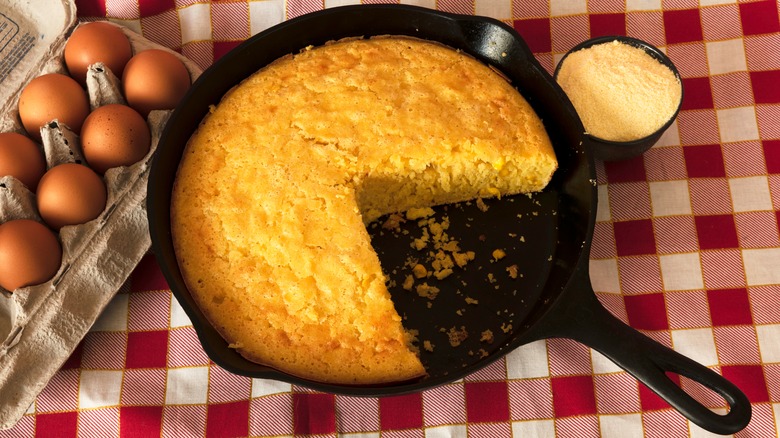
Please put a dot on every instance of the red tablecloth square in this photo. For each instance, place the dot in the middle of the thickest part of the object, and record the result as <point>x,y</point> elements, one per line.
<point>227,387</point>
<point>272,415</point>
<point>140,421</point>
<point>183,420</point>
<point>104,350</point>
<point>164,28</point>
<point>704,161</point>
<point>722,269</point>
<point>147,276</point>
<point>314,413</point>
<point>154,7</point>
<point>221,48</point>
<point>698,93</point>
<point>664,424</point>
<point>721,22</point>
<point>639,274</point>
<point>630,170</point>
<point>530,399</point>
<point>536,33</point>
<point>577,427</point>
<point>100,423</point>
<point>729,307</point>
<point>297,8</point>
<point>568,31</point>
<point>144,387</point>
<point>687,309</point>
<point>759,17</point>
<point>665,164</point>
<point>91,8</point>
<point>61,425</point>
<point>647,312</point>
<point>617,393</point>
<point>147,349</point>
<point>650,401</point>
<point>717,231</point>
<point>634,237</point>
<point>230,21</point>
<point>750,379</point>
<point>698,127</point>
<point>766,86</point>
<point>487,401</point>
<point>149,311</point>
<point>732,89</point>
<point>604,6</point>
<point>675,234</point>
<point>453,6</point>
<point>710,196</point>
<point>647,26</point>
<point>359,413</point>
<point>573,395</point>
<point>184,348</point>
<point>738,345</point>
<point>526,9</point>
<point>61,394</point>
<point>401,412</point>
<point>772,155</point>
<point>489,430</point>
<point>604,246</point>
<point>682,26</point>
<point>607,24</point>
<point>757,229</point>
<point>227,419</point>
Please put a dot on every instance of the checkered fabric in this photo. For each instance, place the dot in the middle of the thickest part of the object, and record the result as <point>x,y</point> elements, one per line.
<point>686,250</point>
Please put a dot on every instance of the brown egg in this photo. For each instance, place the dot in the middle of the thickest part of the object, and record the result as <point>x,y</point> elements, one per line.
<point>114,135</point>
<point>49,97</point>
<point>154,80</point>
<point>96,42</point>
<point>21,158</point>
<point>70,194</point>
<point>29,254</point>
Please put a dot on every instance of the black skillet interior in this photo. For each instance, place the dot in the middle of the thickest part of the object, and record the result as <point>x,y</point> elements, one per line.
<point>546,236</point>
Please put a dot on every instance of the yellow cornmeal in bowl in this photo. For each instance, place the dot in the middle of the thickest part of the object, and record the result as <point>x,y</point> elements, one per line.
<point>276,186</point>
<point>621,93</point>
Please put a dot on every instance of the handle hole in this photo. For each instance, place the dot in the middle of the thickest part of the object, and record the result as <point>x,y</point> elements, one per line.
<point>704,395</point>
<point>701,393</point>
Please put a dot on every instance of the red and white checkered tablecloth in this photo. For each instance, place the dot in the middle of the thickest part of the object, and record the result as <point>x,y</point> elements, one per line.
<point>686,249</point>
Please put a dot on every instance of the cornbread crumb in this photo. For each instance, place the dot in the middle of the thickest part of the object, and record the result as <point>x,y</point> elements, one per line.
<point>486,336</point>
<point>428,346</point>
<point>457,336</point>
<point>419,271</point>
<point>427,291</point>
<point>470,300</point>
<point>408,283</point>
<point>620,92</point>
<point>506,328</point>
<point>512,270</point>
<point>498,254</point>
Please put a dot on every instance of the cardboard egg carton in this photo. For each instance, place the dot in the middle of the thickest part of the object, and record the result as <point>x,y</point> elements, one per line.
<point>41,325</point>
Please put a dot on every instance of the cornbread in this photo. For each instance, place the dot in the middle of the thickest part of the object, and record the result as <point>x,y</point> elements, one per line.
<point>620,92</point>
<point>277,185</point>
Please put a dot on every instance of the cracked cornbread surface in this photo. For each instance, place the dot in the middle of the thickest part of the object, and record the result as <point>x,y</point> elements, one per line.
<point>277,184</point>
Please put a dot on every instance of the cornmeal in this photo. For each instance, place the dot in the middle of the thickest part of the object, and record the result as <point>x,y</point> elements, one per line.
<point>276,187</point>
<point>620,92</point>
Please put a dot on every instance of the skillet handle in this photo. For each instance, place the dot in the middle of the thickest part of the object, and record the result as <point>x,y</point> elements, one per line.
<point>581,317</point>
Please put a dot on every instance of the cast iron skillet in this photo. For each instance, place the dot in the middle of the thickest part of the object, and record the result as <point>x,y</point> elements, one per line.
<point>546,237</point>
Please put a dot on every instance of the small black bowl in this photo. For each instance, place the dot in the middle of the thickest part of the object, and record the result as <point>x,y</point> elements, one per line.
<point>609,150</point>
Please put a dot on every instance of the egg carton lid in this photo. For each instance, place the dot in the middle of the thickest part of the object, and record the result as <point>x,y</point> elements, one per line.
<point>30,31</point>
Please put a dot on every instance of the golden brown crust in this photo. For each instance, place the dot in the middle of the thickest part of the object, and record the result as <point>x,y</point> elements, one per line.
<point>275,187</point>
